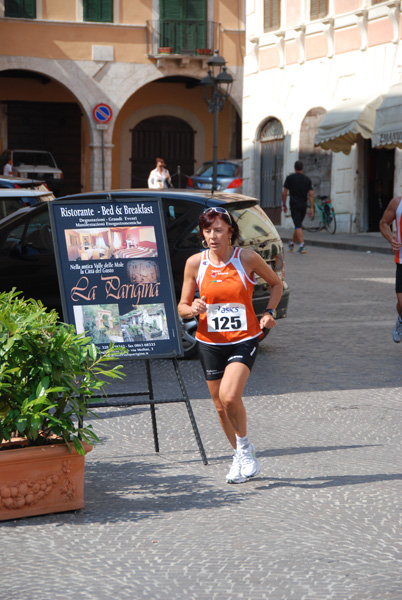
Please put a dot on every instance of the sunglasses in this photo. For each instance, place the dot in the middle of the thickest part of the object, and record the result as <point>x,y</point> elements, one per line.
<point>219,210</point>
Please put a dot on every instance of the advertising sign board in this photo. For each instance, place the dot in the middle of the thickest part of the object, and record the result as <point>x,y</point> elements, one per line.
<point>115,275</point>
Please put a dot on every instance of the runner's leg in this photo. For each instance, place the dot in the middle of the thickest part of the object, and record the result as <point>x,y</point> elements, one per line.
<point>214,387</point>
<point>230,394</point>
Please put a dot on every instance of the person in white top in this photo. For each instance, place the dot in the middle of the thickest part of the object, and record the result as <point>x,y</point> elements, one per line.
<point>8,166</point>
<point>159,177</point>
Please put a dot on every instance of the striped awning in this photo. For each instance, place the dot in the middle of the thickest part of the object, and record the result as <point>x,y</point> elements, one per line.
<point>342,126</point>
<point>387,132</point>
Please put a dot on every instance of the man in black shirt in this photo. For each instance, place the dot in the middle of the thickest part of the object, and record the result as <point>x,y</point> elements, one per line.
<point>300,188</point>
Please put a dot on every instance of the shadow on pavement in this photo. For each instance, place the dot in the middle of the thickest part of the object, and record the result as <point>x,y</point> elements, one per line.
<point>331,481</point>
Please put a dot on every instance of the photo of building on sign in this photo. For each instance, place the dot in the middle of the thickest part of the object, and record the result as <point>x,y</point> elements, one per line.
<point>146,322</point>
<point>111,242</point>
<point>100,321</point>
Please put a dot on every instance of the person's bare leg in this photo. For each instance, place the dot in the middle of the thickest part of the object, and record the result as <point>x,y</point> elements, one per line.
<point>298,236</point>
<point>226,425</point>
<point>230,394</point>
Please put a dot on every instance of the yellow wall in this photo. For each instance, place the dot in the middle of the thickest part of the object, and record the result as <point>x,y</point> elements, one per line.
<point>44,40</point>
<point>176,95</point>
<point>74,41</point>
<point>33,90</point>
<point>135,12</point>
<point>59,10</point>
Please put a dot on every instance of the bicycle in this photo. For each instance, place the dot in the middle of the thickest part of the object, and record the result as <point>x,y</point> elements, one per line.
<point>323,216</point>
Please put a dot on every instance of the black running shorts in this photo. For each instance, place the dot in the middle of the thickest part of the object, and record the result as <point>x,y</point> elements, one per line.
<point>298,212</point>
<point>398,280</point>
<point>215,358</point>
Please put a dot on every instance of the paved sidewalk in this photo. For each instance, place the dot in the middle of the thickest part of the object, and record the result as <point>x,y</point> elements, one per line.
<point>363,242</point>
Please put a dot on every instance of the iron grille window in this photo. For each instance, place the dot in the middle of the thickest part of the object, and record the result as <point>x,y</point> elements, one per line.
<point>183,25</point>
<point>22,9</point>
<point>318,9</point>
<point>272,14</point>
<point>100,11</point>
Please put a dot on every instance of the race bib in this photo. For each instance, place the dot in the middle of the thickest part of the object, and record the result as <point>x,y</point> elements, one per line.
<point>226,317</point>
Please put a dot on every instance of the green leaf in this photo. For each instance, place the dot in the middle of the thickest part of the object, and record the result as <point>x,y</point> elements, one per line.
<point>78,446</point>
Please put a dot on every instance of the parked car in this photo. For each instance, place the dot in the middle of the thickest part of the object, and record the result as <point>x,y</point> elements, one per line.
<point>38,164</point>
<point>12,199</point>
<point>229,176</point>
<point>27,259</point>
<point>12,181</point>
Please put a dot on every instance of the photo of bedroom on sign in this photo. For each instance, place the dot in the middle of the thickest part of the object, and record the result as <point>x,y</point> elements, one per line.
<point>134,242</point>
<point>110,242</point>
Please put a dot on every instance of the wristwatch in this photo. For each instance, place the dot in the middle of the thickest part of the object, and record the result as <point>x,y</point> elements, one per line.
<point>271,311</point>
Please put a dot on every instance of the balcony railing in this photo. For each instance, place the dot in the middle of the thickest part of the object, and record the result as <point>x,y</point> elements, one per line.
<point>189,38</point>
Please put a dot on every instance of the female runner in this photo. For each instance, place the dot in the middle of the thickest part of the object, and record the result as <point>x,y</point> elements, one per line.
<point>228,329</point>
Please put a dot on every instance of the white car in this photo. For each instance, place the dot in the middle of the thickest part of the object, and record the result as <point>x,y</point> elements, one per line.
<point>12,199</point>
<point>38,164</point>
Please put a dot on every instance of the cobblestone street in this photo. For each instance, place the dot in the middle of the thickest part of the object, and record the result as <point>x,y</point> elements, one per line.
<point>323,519</point>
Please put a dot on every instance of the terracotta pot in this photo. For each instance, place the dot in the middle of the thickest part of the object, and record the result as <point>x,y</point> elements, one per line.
<point>41,480</point>
<point>204,51</point>
<point>165,50</point>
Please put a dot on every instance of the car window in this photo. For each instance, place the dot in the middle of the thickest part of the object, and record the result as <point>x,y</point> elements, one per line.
<point>33,158</point>
<point>253,223</point>
<point>30,237</point>
<point>179,216</point>
<point>9,205</point>
<point>223,170</point>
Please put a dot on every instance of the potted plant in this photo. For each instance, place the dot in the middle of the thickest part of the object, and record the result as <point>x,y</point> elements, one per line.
<point>165,50</point>
<point>48,376</point>
<point>204,51</point>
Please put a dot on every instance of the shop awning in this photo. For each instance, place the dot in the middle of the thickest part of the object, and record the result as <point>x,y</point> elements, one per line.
<point>387,132</point>
<point>341,127</point>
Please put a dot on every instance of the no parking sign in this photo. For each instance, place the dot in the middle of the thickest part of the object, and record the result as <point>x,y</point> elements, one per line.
<point>102,113</point>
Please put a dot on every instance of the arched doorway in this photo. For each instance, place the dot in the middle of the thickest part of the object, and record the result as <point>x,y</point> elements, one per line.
<point>168,137</point>
<point>53,124</point>
<point>317,162</point>
<point>271,143</point>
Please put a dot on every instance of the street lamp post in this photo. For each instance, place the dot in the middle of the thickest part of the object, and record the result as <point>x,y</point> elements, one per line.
<point>216,88</point>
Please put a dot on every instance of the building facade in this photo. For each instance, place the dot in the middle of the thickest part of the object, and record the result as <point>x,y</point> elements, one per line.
<point>318,78</point>
<point>143,59</point>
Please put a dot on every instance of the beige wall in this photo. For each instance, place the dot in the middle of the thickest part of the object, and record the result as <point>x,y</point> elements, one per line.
<point>59,10</point>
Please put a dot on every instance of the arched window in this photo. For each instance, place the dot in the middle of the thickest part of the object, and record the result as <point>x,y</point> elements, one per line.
<point>271,143</point>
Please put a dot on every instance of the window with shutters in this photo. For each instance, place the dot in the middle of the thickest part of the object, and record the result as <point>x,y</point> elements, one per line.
<point>272,14</point>
<point>100,11</point>
<point>20,9</point>
<point>318,9</point>
<point>183,25</point>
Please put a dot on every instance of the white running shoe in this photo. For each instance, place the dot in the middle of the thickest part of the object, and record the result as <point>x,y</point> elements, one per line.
<point>250,465</point>
<point>397,331</point>
<point>234,475</point>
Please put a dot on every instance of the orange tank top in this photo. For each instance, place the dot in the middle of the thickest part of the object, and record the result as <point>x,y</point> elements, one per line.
<point>228,291</point>
<point>398,221</point>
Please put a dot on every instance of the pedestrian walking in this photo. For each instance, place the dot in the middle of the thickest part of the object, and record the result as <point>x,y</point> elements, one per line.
<point>8,164</point>
<point>392,213</point>
<point>300,190</point>
<point>228,329</point>
<point>159,178</point>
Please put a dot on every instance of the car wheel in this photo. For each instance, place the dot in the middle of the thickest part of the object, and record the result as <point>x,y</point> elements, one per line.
<point>188,329</point>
